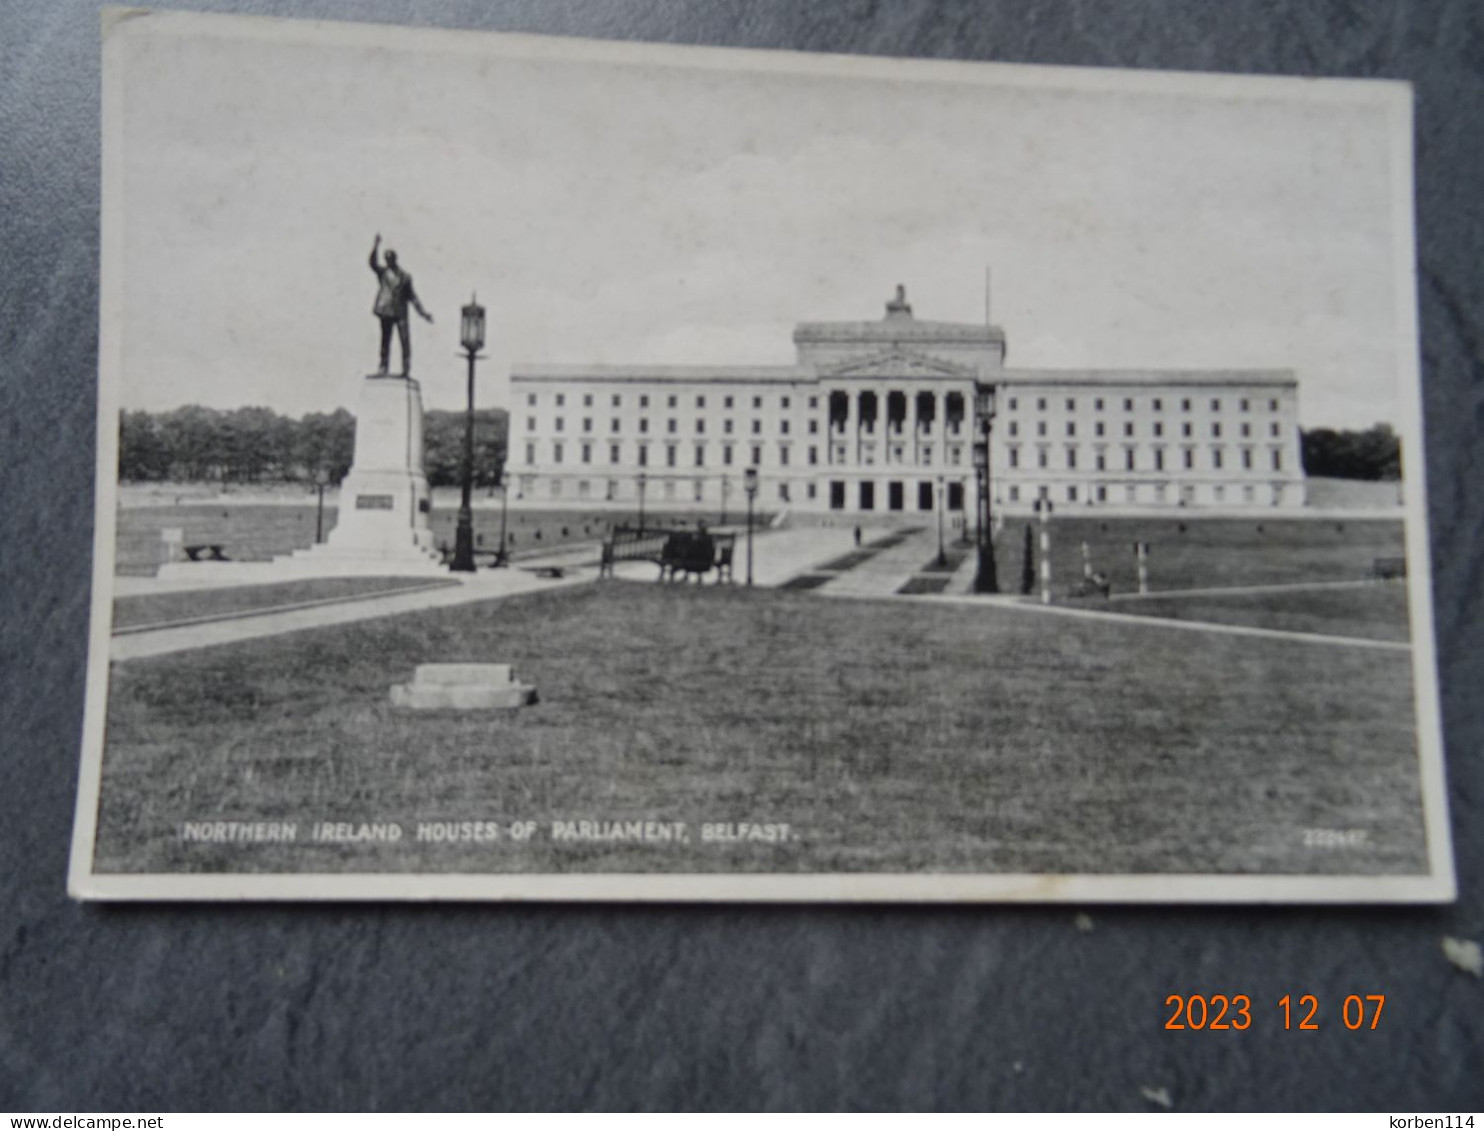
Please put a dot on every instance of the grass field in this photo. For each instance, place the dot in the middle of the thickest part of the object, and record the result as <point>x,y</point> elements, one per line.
<point>164,608</point>
<point>1200,553</point>
<point>260,531</point>
<point>1377,611</point>
<point>889,735</point>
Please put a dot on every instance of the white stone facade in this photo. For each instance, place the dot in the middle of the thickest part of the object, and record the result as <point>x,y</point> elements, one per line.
<point>881,417</point>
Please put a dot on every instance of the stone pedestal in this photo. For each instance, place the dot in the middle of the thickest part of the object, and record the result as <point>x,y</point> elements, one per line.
<point>463,687</point>
<point>384,502</point>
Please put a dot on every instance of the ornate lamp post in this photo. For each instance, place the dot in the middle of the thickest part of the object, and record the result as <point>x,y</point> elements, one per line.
<point>749,484</point>
<point>643,478</point>
<point>986,579</point>
<point>321,481</point>
<point>471,336</point>
<point>942,557</point>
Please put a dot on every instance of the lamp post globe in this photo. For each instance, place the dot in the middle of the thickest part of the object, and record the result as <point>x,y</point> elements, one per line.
<point>471,337</point>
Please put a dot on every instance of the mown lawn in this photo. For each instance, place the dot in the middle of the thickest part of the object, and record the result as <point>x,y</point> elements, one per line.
<point>889,735</point>
<point>1377,611</point>
<point>164,608</point>
<point>1201,553</point>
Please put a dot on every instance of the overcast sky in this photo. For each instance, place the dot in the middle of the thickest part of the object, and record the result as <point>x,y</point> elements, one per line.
<point>609,209</point>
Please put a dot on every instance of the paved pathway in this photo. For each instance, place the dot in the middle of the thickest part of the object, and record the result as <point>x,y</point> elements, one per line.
<point>483,586</point>
<point>1018,603</point>
<point>1242,590</point>
<point>885,572</point>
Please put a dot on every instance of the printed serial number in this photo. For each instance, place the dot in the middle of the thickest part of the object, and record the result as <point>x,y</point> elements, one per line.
<point>1334,838</point>
<point>1234,1011</point>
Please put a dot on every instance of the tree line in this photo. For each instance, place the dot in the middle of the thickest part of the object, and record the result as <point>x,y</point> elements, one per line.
<point>257,445</point>
<point>1374,453</point>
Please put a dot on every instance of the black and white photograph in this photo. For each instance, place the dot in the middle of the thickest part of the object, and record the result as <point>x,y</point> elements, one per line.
<point>544,469</point>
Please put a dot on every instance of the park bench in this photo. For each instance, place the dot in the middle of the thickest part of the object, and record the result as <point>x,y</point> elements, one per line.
<point>1389,569</point>
<point>214,552</point>
<point>676,552</point>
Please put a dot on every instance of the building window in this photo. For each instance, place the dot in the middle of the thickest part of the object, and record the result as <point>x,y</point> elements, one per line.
<point>1040,404</point>
<point>927,455</point>
<point>1102,494</point>
<point>1071,404</point>
<point>783,492</point>
<point>556,453</point>
<point>1097,404</point>
<point>587,423</point>
<point>1097,429</point>
<point>643,455</point>
<point>726,455</point>
<point>587,453</point>
<point>1273,406</point>
<point>1246,429</point>
<point>813,403</point>
<point>556,488</point>
<point>1277,460</point>
<point>700,455</point>
<point>1246,459</point>
<point>700,427</point>
<point>1159,405</point>
<point>783,427</point>
<point>1189,459</point>
<point>757,454</point>
<point>530,424</point>
<point>1215,404</point>
<point>644,424</point>
<point>531,399</point>
<point>809,490</point>
<point>757,427</point>
<point>726,426</point>
<point>814,428</point>
<point>1185,404</point>
<point>783,456</point>
<point>1014,457</point>
<point>1159,429</point>
<point>700,402</point>
<point>584,488</point>
<point>644,400</point>
<point>1071,494</point>
<point>1185,429</point>
<point>1274,429</point>
<point>613,453</point>
<point>1128,404</point>
<point>1216,459</point>
<point>813,455</point>
<point>1071,428</point>
<point>613,425</point>
<point>1101,461</point>
<point>1128,427</point>
<point>700,490</point>
<point>617,400</point>
<point>1014,428</point>
<point>1128,459</point>
<point>559,423</point>
<point>1245,405</point>
<point>561,399</point>
<point>1216,428</point>
<point>757,402</point>
<point>1040,428</point>
<point>1041,458</point>
<point>783,402</point>
<point>1159,459</point>
<point>1219,492</point>
<point>1072,459</point>
<point>1014,494</point>
<point>530,454</point>
<point>670,425</point>
<point>669,455</point>
<point>1014,404</point>
<point>672,401</point>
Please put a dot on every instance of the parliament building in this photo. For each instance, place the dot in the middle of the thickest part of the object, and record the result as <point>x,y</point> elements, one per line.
<point>883,416</point>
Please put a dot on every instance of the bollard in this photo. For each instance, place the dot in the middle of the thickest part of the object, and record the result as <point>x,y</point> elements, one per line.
<point>1043,506</point>
<point>1086,562</point>
<point>1141,553</point>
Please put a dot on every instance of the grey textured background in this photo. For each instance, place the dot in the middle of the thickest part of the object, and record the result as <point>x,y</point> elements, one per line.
<point>753,1007</point>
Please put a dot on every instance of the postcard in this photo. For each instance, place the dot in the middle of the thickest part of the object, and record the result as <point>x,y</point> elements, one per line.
<point>550,469</point>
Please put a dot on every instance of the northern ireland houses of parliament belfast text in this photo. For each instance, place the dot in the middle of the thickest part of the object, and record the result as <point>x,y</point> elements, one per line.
<point>885,416</point>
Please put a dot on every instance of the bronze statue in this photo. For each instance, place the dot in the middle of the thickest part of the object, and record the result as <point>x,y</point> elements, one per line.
<point>392,298</point>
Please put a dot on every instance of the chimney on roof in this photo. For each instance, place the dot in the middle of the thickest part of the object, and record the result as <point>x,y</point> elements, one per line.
<point>899,307</point>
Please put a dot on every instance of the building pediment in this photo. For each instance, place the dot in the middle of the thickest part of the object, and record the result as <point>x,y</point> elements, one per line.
<point>896,363</point>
